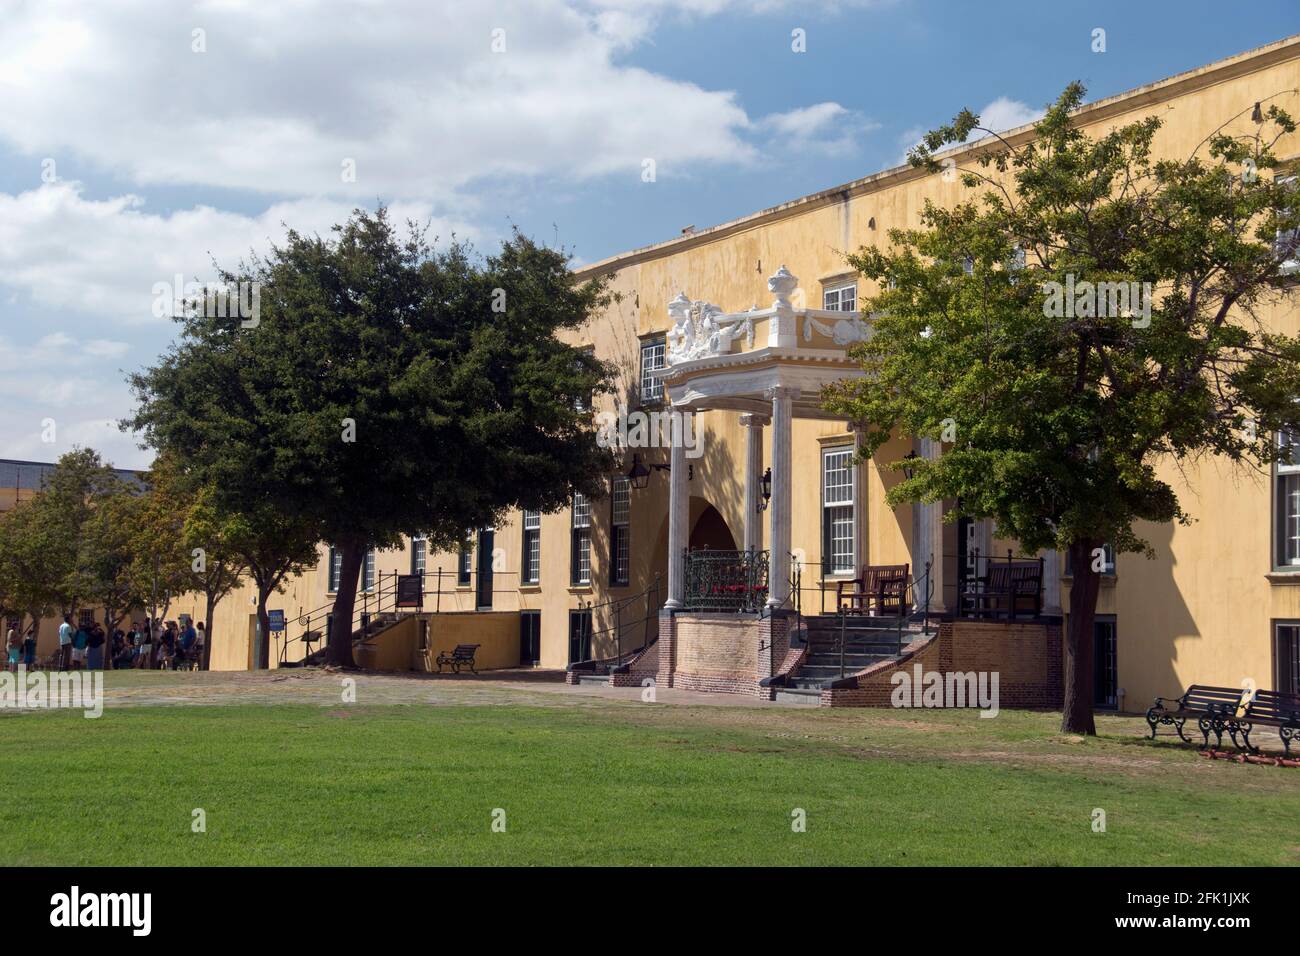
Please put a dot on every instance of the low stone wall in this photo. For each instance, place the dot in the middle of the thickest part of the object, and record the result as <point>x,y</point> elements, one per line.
<point>1026,657</point>
<point>722,653</point>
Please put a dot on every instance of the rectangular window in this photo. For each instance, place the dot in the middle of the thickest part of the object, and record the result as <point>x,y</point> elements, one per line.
<point>579,636</point>
<point>580,559</point>
<point>584,403</point>
<point>1286,656</point>
<point>652,362</point>
<point>335,568</point>
<point>368,571</point>
<point>620,565</point>
<point>843,298</point>
<point>419,553</point>
<point>465,562</point>
<point>838,552</point>
<point>1286,241</point>
<point>1287,501</point>
<point>532,550</point>
<point>85,618</point>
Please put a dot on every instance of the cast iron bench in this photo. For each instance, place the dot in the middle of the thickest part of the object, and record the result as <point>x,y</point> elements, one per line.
<point>883,584</point>
<point>462,655</point>
<point>1273,708</point>
<point>1214,708</point>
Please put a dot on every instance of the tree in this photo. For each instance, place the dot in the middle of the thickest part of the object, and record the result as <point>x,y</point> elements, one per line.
<point>1003,318</point>
<point>272,546</point>
<point>217,566</point>
<point>107,556</point>
<point>385,388</point>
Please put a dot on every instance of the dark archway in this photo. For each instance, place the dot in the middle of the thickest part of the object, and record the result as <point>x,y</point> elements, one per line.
<point>711,531</point>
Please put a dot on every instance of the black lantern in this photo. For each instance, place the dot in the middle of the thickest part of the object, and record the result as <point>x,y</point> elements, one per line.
<point>765,489</point>
<point>638,475</point>
<point>1256,115</point>
<point>907,469</point>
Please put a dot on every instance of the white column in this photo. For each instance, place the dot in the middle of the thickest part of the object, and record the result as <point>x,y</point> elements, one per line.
<point>931,542</point>
<point>778,577</point>
<point>1052,583</point>
<point>753,425</point>
<point>679,515</point>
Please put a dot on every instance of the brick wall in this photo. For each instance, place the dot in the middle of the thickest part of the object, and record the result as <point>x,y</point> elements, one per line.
<point>1027,658</point>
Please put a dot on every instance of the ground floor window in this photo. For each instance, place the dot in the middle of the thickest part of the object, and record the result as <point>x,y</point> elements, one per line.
<point>1286,656</point>
<point>532,550</point>
<point>620,548</point>
<point>837,510</point>
<point>419,553</point>
<point>368,571</point>
<point>1105,662</point>
<point>335,569</point>
<point>464,562</point>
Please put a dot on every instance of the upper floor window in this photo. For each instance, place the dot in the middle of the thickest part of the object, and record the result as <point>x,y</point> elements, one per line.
<point>368,571</point>
<point>652,362</point>
<point>1288,239</point>
<point>580,557</point>
<point>335,568</point>
<point>620,521</point>
<point>419,553</point>
<point>838,551</point>
<point>464,561</point>
<point>532,549</point>
<point>841,298</point>
<point>584,403</point>
<point>1286,531</point>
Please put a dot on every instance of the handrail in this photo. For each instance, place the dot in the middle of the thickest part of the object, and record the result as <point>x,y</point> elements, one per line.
<point>618,606</point>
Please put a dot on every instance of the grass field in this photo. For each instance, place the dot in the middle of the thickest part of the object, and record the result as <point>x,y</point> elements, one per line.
<point>413,773</point>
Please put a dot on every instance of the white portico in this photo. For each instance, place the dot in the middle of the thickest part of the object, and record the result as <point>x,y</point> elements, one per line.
<point>770,365</point>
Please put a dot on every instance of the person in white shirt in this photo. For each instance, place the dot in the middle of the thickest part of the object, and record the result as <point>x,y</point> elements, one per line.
<point>65,643</point>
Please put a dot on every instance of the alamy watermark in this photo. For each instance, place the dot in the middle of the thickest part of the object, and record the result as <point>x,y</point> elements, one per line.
<point>950,689</point>
<point>218,300</point>
<point>1128,300</point>
<point>42,690</point>
<point>639,429</point>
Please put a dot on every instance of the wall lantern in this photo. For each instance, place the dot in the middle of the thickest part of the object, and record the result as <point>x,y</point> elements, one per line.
<point>907,469</point>
<point>765,489</point>
<point>639,474</point>
<point>1256,115</point>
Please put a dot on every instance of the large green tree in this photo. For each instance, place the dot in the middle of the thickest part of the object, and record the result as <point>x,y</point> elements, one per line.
<point>385,387</point>
<point>1064,406</point>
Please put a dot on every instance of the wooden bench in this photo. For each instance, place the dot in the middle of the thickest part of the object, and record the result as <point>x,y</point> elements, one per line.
<point>1006,588</point>
<point>881,590</point>
<point>463,655</point>
<point>1272,708</point>
<point>1215,709</point>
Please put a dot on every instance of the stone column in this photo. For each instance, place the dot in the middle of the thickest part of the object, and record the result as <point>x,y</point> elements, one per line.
<point>753,425</point>
<point>1052,583</point>
<point>778,577</point>
<point>931,538</point>
<point>679,514</point>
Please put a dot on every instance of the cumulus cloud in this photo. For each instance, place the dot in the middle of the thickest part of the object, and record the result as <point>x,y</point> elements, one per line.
<point>999,116</point>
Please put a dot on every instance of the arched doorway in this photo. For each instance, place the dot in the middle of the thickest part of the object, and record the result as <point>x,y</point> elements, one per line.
<point>711,531</point>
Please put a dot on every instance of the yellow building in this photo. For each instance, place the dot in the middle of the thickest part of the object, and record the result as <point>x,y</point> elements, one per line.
<point>734,329</point>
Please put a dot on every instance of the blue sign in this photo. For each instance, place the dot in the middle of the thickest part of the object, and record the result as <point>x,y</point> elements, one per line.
<point>275,620</point>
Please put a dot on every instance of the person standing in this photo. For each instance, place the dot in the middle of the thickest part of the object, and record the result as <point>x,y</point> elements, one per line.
<point>65,643</point>
<point>80,640</point>
<point>29,647</point>
<point>200,641</point>
<point>13,645</point>
<point>95,649</point>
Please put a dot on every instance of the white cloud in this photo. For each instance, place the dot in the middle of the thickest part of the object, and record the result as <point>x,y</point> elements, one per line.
<point>826,127</point>
<point>1000,115</point>
<point>102,257</point>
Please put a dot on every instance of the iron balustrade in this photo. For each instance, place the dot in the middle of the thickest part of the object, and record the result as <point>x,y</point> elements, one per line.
<point>726,581</point>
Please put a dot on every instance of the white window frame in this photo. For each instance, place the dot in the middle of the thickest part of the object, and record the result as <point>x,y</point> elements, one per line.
<point>834,299</point>
<point>1290,266</point>
<point>368,571</point>
<point>334,570</point>
<point>620,520</point>
<point>654,352</point>
<point>532,546</point>
<point>580,541</point>
<point>1286,505</point>
<point>837,498</point>
<point>419,554</point>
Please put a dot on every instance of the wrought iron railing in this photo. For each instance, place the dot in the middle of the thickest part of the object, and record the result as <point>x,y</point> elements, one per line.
<point>620,622</point>
<point>726,581</point>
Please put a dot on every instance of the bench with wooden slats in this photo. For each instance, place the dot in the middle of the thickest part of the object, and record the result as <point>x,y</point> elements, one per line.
<point>1215,710</point>
<point>1271,708</point>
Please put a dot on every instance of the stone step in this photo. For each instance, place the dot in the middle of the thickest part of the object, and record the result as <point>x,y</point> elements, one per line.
<point>593,679</point>
<point>803,696</point>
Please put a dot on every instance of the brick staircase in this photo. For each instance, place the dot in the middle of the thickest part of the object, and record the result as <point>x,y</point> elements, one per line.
<point>867,640</point>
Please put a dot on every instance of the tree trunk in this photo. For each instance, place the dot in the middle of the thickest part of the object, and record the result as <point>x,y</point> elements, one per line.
<point>1076,714</point>
<point>345,602</point>
<point>264,630</point>
<point>207,631</point>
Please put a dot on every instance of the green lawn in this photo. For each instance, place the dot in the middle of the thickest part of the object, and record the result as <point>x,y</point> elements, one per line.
<point>618,783</point>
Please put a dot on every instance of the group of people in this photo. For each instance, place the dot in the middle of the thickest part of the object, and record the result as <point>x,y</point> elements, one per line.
<point>148,644</point>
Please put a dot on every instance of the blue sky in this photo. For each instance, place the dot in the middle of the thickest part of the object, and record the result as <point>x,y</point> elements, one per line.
<point>164,148</point>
